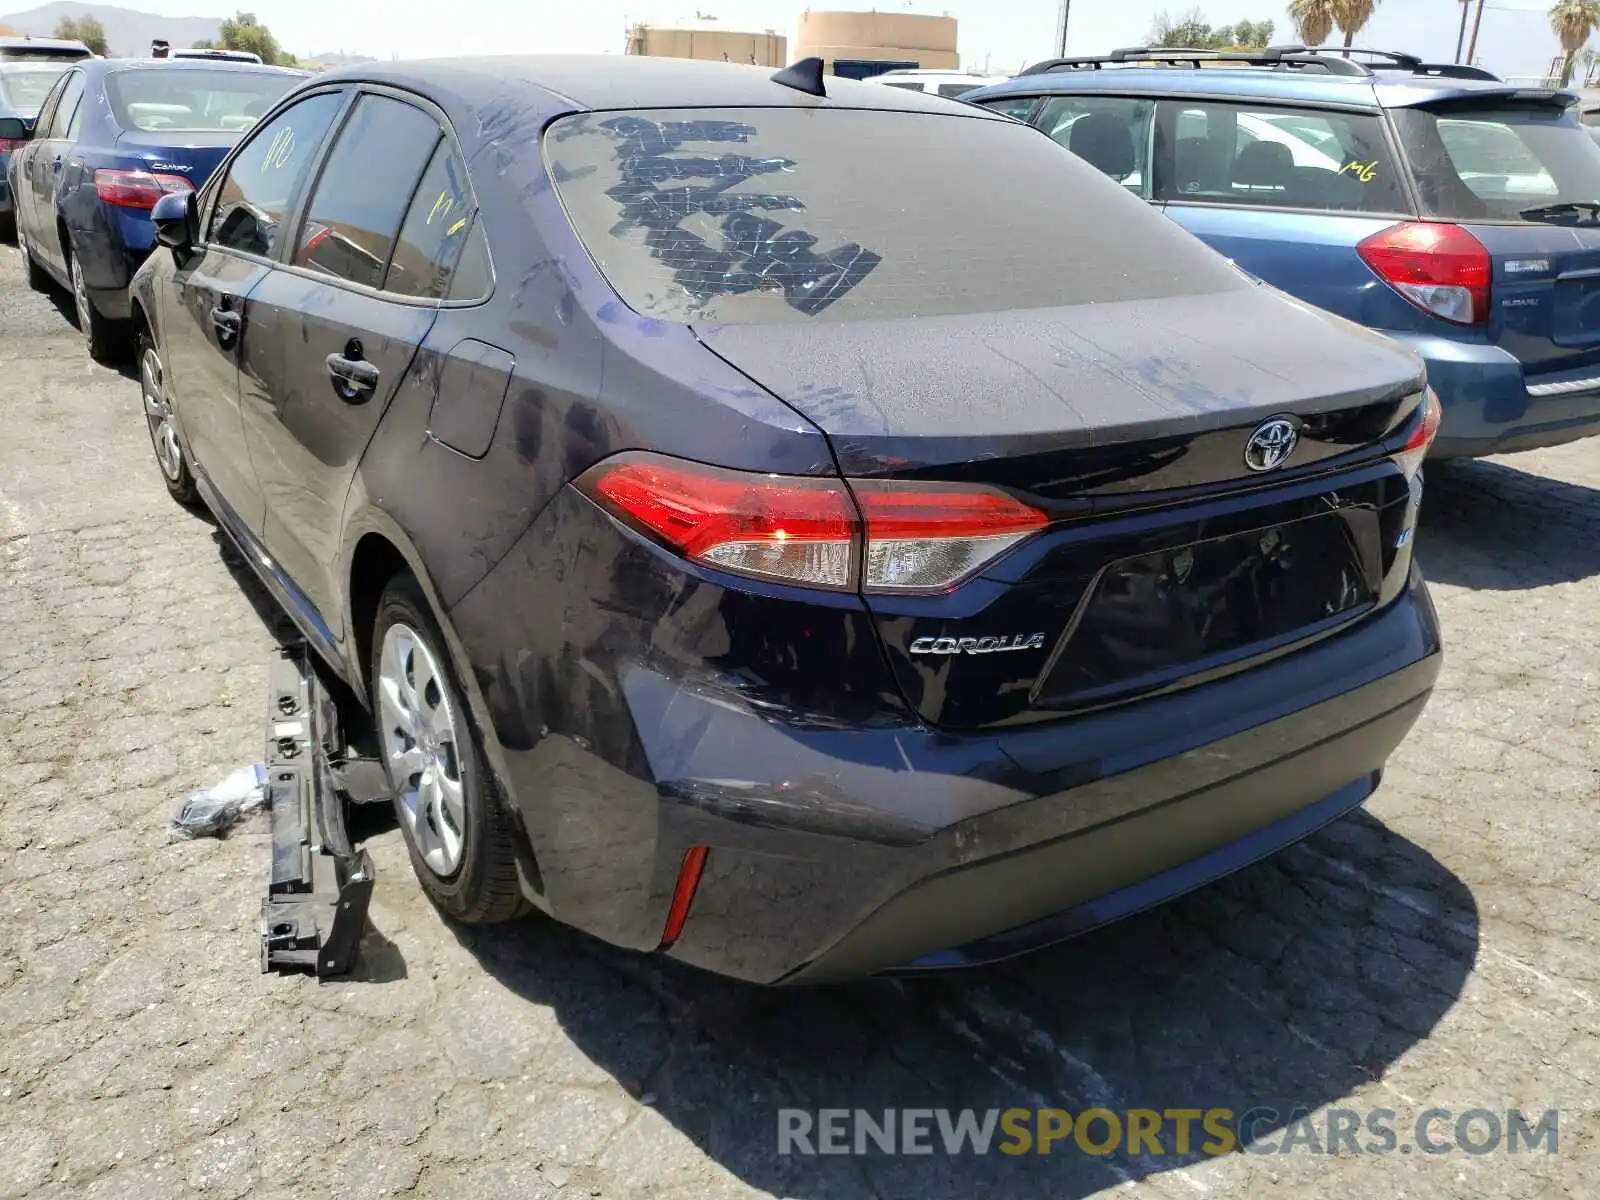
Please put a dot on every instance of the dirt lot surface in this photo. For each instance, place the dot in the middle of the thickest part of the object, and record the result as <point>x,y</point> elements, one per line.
<point>1437,950</point>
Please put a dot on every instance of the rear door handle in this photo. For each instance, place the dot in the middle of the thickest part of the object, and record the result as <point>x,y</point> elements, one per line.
<point>226,323</point>
<point>354,377</point>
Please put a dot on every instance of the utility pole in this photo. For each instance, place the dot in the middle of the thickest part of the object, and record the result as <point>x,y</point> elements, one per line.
<point>1061,29</point>
<point>1461,34</point>
<point>1472,46</point>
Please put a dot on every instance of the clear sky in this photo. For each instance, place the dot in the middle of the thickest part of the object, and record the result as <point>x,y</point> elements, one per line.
<point>1515,37</point>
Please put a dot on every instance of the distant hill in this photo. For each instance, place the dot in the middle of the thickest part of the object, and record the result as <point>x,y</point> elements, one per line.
<point>128,32</point>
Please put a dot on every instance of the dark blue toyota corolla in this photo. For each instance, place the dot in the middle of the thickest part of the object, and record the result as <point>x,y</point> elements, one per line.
<point>112,137</point>
<point>754,547</point>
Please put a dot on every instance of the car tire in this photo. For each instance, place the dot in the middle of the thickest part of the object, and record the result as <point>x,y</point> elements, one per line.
<point>451,813</point>
<point>170,458</point>
<point>107,339</point>
<point>38,277</point>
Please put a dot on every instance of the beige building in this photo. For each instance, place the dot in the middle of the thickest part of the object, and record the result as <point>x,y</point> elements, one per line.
<point>899,38</point>
<point>709,43</point>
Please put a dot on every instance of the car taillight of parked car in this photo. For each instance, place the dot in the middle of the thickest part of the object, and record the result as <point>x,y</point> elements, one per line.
<point>11,145</point>
<point>885,535</point>
<point>136,189</point>
<point>1422,434</point>
<point>1440,268</point>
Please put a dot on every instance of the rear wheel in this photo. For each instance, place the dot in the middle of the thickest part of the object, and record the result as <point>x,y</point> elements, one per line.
<point>454,822</point>
<point>106,339</point>
<point>38,277</point>
<point>170,457</point>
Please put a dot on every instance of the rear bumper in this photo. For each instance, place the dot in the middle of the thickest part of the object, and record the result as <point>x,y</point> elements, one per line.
<point>835,856</point>
<point>1487,406</point>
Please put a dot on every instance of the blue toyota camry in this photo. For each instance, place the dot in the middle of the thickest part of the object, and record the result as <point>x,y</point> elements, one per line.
<point>111,138</point>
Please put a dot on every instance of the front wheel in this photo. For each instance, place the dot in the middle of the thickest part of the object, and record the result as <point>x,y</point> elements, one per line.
<point>38,277</point>
<point>456,828</point>
<point>170,457</point>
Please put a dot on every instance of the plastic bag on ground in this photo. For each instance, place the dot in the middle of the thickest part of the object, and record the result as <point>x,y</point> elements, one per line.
<point>213,810</point>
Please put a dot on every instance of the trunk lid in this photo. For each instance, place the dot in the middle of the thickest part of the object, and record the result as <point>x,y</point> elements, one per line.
<point>1167,561</point>
<point>194,157</point>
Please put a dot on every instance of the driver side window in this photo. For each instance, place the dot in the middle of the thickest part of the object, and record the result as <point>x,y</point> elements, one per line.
<point>266,175</point>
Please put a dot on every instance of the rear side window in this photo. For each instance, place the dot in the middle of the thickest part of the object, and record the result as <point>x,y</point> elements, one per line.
<point>1319,159</point>
<point>956,89</point>
<point>755,216</point>
<point>437,228</point>
<point>1110,133</point>
<point>356,208</point>
<point>1498,163</point>
<point>266,175</point>
<point>1016,107</point>
<point>67,107</point>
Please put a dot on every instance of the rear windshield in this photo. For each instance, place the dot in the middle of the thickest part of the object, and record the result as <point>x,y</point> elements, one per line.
<point>755,216</point>
<point>1497,164</point>
<point>24,86</point>
<point>185,99</point>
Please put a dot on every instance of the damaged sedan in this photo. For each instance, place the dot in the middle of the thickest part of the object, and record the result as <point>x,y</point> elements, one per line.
<point>760,541</point>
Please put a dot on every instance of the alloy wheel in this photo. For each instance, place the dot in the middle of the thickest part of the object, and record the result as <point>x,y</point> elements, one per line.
<point>80,297</point>
<point>158,412</point>
<point>421,744</point>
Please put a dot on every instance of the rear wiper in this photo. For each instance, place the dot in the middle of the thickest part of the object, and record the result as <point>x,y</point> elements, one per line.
<point>1563,208</point>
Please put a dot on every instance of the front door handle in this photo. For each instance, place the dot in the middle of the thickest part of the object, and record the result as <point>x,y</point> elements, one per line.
<point>226,322</point>
<point>354,378</point>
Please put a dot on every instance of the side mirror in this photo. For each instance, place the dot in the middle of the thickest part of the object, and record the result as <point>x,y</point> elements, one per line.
<point>14,129</point>
<point>177,220</point>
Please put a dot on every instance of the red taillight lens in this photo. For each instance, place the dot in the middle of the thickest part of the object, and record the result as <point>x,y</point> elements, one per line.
<point>136,189</point>
<point>923,537</point>
<point>772,526</point>
<point>893,536</point>
<point>1416,448</point>
<point>11,145</point>
<point>1442,269</point>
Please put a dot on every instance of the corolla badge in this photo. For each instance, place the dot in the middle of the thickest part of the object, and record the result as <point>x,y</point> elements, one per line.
<point>983,645</point>
<point>1271,444</point>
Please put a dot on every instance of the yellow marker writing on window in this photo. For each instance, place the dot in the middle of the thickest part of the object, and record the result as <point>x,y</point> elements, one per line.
<point>1366,172</point>
<point>442,206</point>
<point>456,228</point>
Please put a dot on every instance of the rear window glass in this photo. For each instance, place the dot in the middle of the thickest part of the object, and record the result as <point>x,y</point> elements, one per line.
<point>1223,153</point>
<point>755,216</point>
<point>956,89</point>
<point>1496,164</point>
<point>23,87</point>
<point>152,100</point>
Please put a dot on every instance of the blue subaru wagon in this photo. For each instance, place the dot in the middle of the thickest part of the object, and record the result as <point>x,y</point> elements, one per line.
<point>1434,203</point>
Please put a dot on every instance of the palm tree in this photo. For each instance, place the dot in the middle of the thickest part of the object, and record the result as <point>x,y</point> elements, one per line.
<point>1351,16</point>
<point>1313,20</point>
<point>1573,21</point>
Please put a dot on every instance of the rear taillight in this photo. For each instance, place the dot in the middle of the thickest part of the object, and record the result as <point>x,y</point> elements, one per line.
<point>1422,434</point>
<point>1442,269</point>
<point>880,535</point>
<point>11,145</point>
<point>136,189</point>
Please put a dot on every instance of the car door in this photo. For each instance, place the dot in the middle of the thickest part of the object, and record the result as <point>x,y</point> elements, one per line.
<point>1286,192</point>
<point>48,168</point>
<point>346,343</point>
<point>208,332</point>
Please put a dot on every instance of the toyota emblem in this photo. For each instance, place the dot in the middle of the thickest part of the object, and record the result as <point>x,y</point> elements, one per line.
<point>1271,444</point>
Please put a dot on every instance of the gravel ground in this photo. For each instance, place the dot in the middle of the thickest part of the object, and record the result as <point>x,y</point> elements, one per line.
<point>1437,950</point>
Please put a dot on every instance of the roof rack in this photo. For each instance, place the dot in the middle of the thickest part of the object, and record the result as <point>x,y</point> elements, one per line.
<point>1283,58</point>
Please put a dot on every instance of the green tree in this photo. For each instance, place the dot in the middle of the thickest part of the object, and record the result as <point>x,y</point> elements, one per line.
<point>1351,16</point>
<point>1572,21</point>
<point>87,30</point>
<point>243,32</point>
<point>1192,31</point>
<point>1313,20</point>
